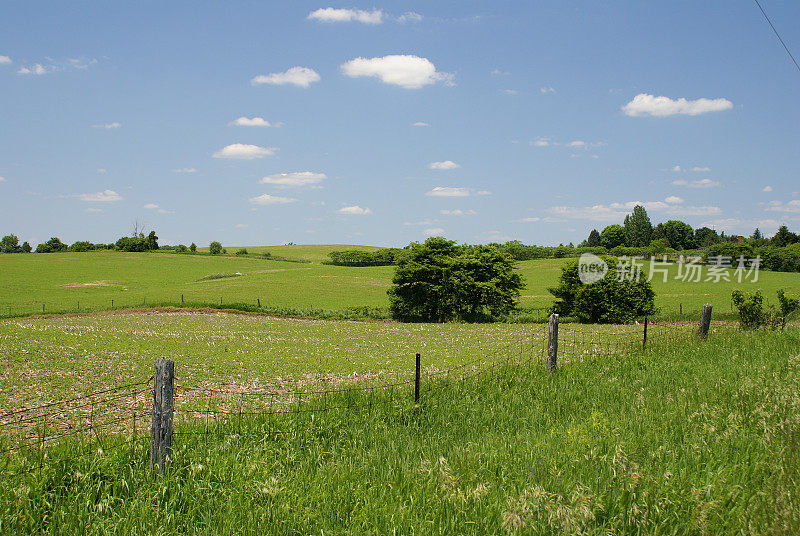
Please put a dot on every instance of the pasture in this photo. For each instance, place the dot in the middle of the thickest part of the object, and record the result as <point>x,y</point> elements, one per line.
<point>65,281</point>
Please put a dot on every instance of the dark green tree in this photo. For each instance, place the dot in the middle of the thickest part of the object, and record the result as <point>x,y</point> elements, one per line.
<point>783,237</point>
<point>152,241</point>
<point>704,237</point>
<point>53,245</point>
<point>679,234</point>
<point>215,248</point>
<point>756,234</point>
<point>439,281</point>
<point>613,236</point>
<point>26,247</point>
<point>638,229</point>
<point>193,247</point>
<point>10,244</point>
<point>611,300</point>
<point>594,239</point>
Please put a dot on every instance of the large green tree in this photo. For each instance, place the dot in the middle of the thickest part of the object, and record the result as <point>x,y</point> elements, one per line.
<point>680,235</point>
<point>638,229</point>
<point>613,236</point>
<point>783,237</point>
<point>439,281</point>
<point>594,239</point>
<point>10,244</point>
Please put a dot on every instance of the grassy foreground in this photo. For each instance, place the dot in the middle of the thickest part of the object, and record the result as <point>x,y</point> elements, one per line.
<point>700,438</point>
<point>69,282</point>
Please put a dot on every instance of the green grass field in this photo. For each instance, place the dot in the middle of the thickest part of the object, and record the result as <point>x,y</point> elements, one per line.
<point>64,281</point>
<point>698,438</point>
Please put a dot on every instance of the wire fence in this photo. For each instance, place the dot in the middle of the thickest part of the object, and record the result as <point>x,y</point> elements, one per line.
<point>118,417</point>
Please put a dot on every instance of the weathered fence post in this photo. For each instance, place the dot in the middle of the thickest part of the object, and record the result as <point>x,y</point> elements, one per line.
<point>161,427</point>
<point>705,321</point>
<point>552,343</point>
<point>259,302</point>
<point>416,381</point>
<point>681,309</point>
<point>42,308</point>
<point>644,339</point>
<point>182,302</point>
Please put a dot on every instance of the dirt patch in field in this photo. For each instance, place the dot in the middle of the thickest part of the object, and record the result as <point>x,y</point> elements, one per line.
<point>94,284</point>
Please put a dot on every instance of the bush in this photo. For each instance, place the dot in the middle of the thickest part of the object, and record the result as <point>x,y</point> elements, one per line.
<point>193,247</point>
<point>54,245</point>
<point>215,248</point>
<point>81,246</point>
<point>352,257</point>
<point>242,251</point>
<point>753,315</point>
<point>607,301</point>
<point>181,249</point>
<point>439,281</point>
<point>132,244</point>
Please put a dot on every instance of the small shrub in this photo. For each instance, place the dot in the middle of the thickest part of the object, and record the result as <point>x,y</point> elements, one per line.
<point>215,248</point>
<point>242,251</point>
<point>193,247</point>
<point>753,314</point>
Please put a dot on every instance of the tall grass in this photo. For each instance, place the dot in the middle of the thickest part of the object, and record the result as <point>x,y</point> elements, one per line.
<point>694,439</point>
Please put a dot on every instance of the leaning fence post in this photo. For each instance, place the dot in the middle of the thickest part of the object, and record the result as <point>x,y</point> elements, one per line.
<point>552,343</point>
<point>163,406</point>
<point>705,321</point>
<point>182,302</point>
<point>416,381</point>
<point>644,339</point>
<point>258,300</point>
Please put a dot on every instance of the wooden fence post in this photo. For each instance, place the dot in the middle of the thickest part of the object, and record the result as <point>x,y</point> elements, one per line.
<point>259,302</point>
<point>705,321</point>
<point>182,302</point>
<point>163,406</point>
<point>644,339</point>
<point>416,381</point>
<point>552,343</point>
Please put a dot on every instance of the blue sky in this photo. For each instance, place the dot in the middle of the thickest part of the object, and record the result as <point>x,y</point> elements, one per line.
<point>383,123</point>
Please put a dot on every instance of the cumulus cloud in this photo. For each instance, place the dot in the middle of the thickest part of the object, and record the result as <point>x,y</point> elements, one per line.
<point>483,192</point>
<point>150,206</point>
<point>37,69</point>
<point>510,91</point>
<point>102,170</point>
<point>185,170</point>
<point>435,231</point>
<point>677,169</point>
<point>330,14</point>
<point>294,179</point>
<point>252,122</point>
<point>767,188</point>
<point>407,71</point>
<point>4,60</point>
<point>354,210</point>
<point>458,212</point>
<point>530,219</point>
<point>792,206</point>
<point>240,225</point>
<point>541,142</point>
<point>297,76</point>
<point>447,191</point>
<point>241,151</point>
<point>266,199</point>
<point>409,16</point>
<point>671,206</point>
<point>577,144</point>
<point>445,164</point>
<point>702,183</point>
<point>420,124</point>
<point>106,196</point>
<point>644,104</point>
<point>701,169</point>
<point>108,126</point>
<point>547,89</point>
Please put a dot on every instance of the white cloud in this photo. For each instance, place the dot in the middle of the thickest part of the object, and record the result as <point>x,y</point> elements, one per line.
<point>644,104</point>
<point>407,71</point>
<point>483,192</point>
<point>354,210</point>
<point>541,142</point>
<point>767,188</point>
<point>792,206</point>
<point>102,170</point>
<point>106,196</point>
<point>458,212</point>
<point>241,151</point>
<point>444,165</point>
<point>294,179</point>
<point>699,169</point>
<point>531,219</point>
<point>266,199</point>
<point>240,225</point>
<point>150,206</point>
<point>435,231</point>
<point>92,209</point>
<point>2,179</point>
<point>677,169</point>
<point>5,60</point>
<point>496,72</point>
<point>298,76</point>
<point>424,222</point>
<point>671,206</point>
<point>547,90</point>
<point>185,170</point>
<point>37,69</point>
<point>252,122</point>
<point>447,191</point>
<point>420,124</point>
<point>330,14</point>
<point>510,91</point>
<point>109,126</point>
<point>577,144</point>
<point>409,16</point>
<point>702,183</point>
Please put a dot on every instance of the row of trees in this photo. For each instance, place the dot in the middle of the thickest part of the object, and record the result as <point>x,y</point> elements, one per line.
<point>637,231</point>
